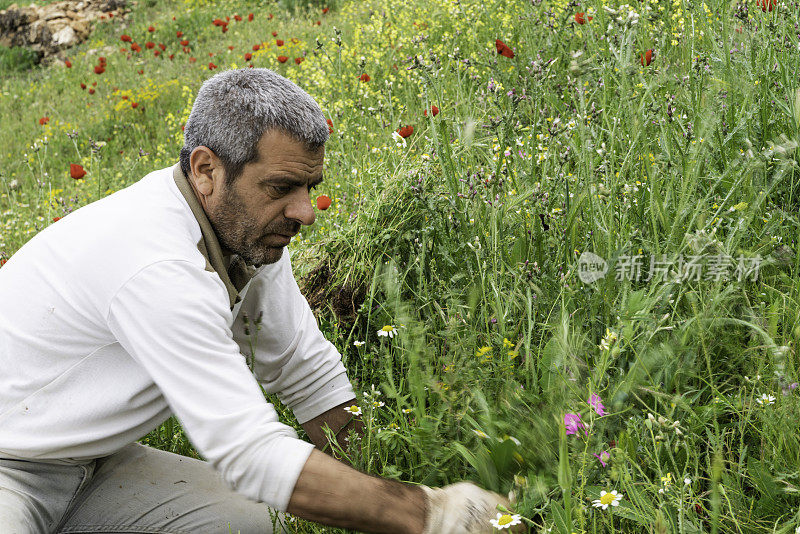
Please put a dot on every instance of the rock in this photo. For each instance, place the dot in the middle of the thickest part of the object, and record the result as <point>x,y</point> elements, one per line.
<point>65,37</point>
<point>55,14</point>
<point>56,25</point>
<point>81,27</point>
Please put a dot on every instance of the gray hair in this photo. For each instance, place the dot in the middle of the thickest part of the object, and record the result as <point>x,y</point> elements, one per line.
<point>234,108</point>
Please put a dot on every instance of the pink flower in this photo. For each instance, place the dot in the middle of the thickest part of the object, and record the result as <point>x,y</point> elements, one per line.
<point>597,403</point>
<point>573,422</point>
<point>604,456</point>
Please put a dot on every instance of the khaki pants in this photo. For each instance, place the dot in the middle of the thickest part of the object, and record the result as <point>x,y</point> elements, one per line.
<point>137,490</point>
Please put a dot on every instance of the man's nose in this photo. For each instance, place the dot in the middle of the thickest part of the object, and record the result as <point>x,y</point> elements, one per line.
<point>300,209</point>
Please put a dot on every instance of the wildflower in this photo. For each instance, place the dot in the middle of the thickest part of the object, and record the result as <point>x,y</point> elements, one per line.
<point>91,90</point>
<point>151,29</point>
<point>76,171</point>
<point>125,38</point>
<point>13,184</point>
<point>667,480</point>
<point>274,34</point>
<point>596,402</point>
<point>405,131</point>
<point>358,343</point>
<point>134,105</point>
<point>149,45</point>
<point>185,42</point>
<point>483,351</point>
<point>353,409</point>
<point>766,399</point>
<point>250,17</point>
<point>606,499</point>
<point>377,404</point>
<point>56,219</point>
<point>43,121</point>
<point>387,330</point>
<point>211,66</point>
<point>279,42</point>
<point>766,5</point>
<point>364,77</point>
<point>325,10</point>
<point>647,57</point>
<point>323,202</point>
<point>503,49</point>
<point>68,63</point>
<point>406,410</point>
<point>604,457</point>
<point>579,17</point>
<point>248,56</point>
<point>99,69</point>
<point>299,60</point>
<point>687,481</point>
<point>480,433</point>
<point>611,337</point>
<point>136,48</point>
<point>572,421</point>
<point>282,59</point>
<point>179,34</point>
<point>505,520</point>
<point>330,125</point>
<point>434,111</point>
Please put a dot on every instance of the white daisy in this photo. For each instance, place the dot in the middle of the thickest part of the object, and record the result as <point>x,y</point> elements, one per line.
<point>505,520</point>
<point>606,498</point>
<point>353,409</point>
<point>358,343</point>
<point>388,330</point>
<point>766,399</point>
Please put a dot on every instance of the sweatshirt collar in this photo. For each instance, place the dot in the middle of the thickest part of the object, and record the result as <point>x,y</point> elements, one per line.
<point>233,271</point>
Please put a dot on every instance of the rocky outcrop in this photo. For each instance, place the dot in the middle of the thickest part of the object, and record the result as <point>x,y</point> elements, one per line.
<point>51,28</point>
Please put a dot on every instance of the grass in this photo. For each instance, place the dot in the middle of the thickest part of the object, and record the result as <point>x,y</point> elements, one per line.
<point>466,235</point>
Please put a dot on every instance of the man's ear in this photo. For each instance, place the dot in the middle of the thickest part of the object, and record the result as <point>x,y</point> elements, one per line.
<point>204,166</point>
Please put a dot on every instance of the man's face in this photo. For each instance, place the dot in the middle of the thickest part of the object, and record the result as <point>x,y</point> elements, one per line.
<point>258,215</point>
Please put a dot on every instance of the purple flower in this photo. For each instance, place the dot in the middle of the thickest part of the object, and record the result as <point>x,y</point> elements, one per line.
<point>597,403</point>
<point>604,456</point>
<point>573,422</point>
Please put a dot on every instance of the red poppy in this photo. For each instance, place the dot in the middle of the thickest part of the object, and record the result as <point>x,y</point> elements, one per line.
<point>323,202</point>
<point>156,53</point>
<point>218,22</point>
<point>111,15</point>
<point>279,42</point>
<point>580,17</point>
<point>238,18</point>
<point>274,34</point>
<point>230,47</point>
<point>123,50</point>
<point>172,56</point>
<point>76,171</point>
<point>162,46</point>
<point>227,19</point>
<point>405,131</point>
<point>766,5</point>
<point>211,66</point>
<point>44,120</point>
<point>185,42</point>
<point>364,77</point>
<point>250,17</point>
<point>94,84</point>
<point>248,56</point>
<point>211,54</point>
<point>151,29</point>
<point>269,17</point>
<point>134,105</point>
<point>503,49</point>
<point>149,45</point>
<point>647,57</point>
<point>318,23</point>
<point>99,69</point>
<point>136,48</point>
<point>192,59</point>
<point>83,85</point>
<point>298,60</point>
<point>224,29</point>
<point>56,219</point>
<point>68,63</point>
<point>434,111</point>
<point>282,59</point>
<point>179,34</point>
<point>125,38</point>
<point>101,60</point>
<point>325,10</point>
<point>330,125</point>
<point>124,97</point>
<point>256,48</point>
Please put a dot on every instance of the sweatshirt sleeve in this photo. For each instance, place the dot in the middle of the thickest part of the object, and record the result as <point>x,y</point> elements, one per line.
<point>291,356</point>
<point>172,318</point>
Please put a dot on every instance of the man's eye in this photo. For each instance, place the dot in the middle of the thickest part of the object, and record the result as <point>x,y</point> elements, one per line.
<point>281,189</point>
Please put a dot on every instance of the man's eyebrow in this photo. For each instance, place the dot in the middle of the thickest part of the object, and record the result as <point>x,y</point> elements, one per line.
<point>290,180</point>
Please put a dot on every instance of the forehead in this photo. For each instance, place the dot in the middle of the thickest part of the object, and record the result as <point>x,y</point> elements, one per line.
<point>278,151</point>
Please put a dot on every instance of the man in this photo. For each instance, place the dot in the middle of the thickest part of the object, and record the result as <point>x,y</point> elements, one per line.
<point>130,310</point>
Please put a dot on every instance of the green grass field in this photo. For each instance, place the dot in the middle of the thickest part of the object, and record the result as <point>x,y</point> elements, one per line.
<point>678,167</point>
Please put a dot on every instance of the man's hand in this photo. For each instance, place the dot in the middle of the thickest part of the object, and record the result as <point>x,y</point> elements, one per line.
<point>463,508</point>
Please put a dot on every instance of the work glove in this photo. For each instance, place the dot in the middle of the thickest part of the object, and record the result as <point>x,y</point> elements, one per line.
<point>462,508</point>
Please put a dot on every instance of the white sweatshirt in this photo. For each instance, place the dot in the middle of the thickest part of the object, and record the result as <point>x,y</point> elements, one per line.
<point>122,314</point>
